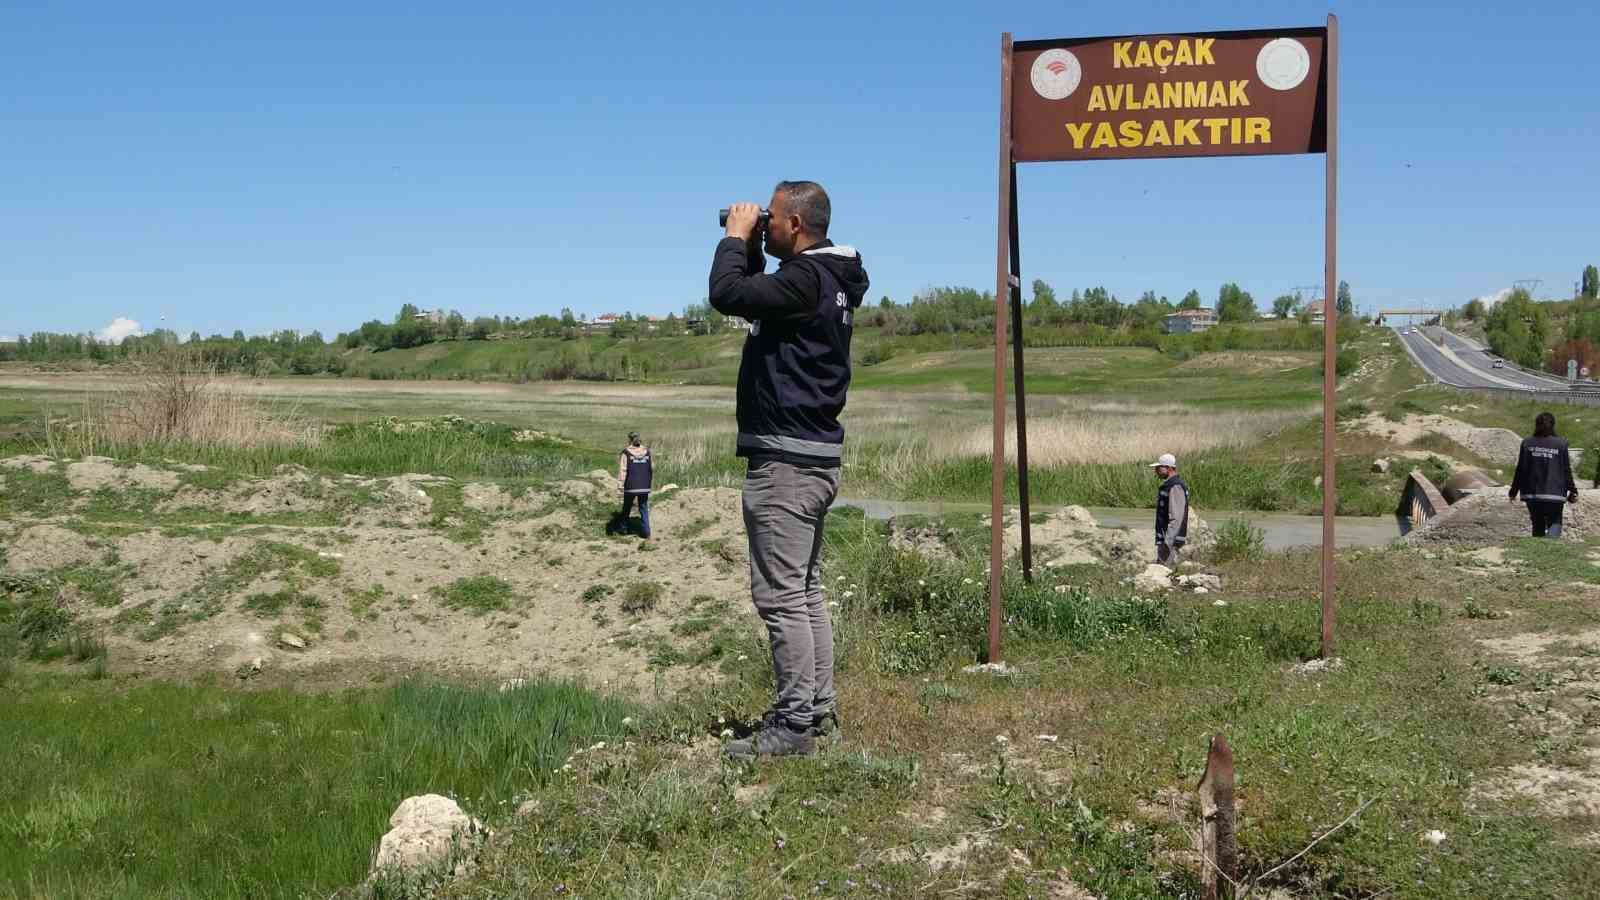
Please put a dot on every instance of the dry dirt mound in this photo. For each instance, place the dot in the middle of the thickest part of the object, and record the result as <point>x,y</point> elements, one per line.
<point>1489,519</point>
<point>537,585</point>
<point>35,464</point>
<point>1497,445</point>
<point>1066,537</point>
<point>1249,362</point>
<point>45,547</point>
<point>95,472</point>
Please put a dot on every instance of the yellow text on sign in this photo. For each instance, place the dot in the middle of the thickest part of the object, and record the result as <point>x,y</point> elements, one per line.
<point>1162,53</point>
<point>1169,95</point>
<point>1216,132</point>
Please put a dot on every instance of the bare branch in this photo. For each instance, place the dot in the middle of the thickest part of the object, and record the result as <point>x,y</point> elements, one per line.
<point>1324,836</point>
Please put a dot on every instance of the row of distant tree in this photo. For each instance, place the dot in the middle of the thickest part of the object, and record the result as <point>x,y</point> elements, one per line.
<point>309,353</point>
<point>1095,311</point>
<point>1522,329</point>
<point>961,309</point>
<point>413,328</point>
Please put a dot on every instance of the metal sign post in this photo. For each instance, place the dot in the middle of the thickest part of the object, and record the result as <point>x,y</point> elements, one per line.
<point>1002,289</point>
<point>1224,93</point>
<point>1330,327</point>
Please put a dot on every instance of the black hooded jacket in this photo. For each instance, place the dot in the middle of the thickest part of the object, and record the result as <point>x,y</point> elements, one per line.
<point>1544,470</point>
<point>795,370</point>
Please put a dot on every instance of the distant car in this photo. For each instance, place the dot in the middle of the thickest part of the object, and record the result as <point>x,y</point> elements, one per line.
<point>1499,364</point>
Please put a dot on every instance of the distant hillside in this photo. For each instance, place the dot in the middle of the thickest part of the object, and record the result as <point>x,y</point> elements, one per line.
<point>695,359</point>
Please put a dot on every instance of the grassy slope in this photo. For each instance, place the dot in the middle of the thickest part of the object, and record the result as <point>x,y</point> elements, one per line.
<point>1131,691</point>
<point>1279,473</point>
<point>129,790</point>
<point>162,790</point>
<point>1131,687</point>
<point>700,359</point>
<point>963,359</point>
<point>1131,373</point>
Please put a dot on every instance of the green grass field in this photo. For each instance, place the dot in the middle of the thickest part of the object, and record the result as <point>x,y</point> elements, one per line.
<point>120,789</point>
<point>130,789</point>
<point>1246,425</point>
<point>122,786</point>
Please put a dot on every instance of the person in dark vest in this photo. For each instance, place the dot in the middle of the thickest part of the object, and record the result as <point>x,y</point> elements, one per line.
<point>1544,477</point>
<point>793,377</point>
<point>1172,511</point>
<point>634,473</point>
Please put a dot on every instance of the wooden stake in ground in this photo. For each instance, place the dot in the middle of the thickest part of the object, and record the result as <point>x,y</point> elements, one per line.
<point>1218,835</point>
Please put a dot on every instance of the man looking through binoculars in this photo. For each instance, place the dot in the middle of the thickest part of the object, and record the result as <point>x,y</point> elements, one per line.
<point>793,377</point>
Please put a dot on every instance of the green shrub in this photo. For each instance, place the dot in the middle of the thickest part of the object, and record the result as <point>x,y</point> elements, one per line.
<point>1238,539</point>
<point>1346,362</point>
<point>641,596</point>
<point>476,595</point>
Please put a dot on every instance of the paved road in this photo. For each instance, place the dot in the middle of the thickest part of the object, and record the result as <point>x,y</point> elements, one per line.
<point>1464,364</point>
<point>1479,356</point>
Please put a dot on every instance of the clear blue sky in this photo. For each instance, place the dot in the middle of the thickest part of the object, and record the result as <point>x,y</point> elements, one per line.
<point>295,167</point>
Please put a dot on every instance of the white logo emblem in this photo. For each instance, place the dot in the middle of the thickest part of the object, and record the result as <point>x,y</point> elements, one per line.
<point>839,299</point>
<point>1283,64</point>
<point>1056,74</point>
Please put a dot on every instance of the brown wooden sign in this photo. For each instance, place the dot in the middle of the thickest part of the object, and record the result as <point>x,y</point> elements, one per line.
<point>1220,93</point>
<point>1225,93</point>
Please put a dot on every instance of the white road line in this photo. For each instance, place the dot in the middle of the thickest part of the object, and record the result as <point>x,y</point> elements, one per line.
<point>1486,375</point>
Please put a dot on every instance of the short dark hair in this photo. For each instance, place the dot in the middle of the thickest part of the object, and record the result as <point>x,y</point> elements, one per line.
<point>1544,425</point>
<point>809,201</point>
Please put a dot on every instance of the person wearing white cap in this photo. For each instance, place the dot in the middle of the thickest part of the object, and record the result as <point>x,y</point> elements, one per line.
<point>1172,511</point>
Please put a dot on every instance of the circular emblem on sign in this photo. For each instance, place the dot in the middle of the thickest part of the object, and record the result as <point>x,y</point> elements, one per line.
<point>1283,63</point>
<point>1056,74</point>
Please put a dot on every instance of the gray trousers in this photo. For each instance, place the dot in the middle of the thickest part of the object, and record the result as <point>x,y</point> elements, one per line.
<point>784,508</point>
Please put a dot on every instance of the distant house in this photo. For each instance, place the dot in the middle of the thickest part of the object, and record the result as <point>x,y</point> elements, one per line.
<point>1189,321</point>
<point>1316,312</point>
<point>436,316</point>
<point>602,322</point>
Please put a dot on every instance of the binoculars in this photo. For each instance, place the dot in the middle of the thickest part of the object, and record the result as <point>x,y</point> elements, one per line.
<point>761,221</point>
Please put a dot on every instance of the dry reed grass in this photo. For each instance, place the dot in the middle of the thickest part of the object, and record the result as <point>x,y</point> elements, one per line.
<point>177,398</point>
<point>891,442</point>
<point>1114,433</point>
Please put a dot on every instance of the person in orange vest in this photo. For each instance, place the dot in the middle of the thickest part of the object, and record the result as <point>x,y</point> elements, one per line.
<point>634,473</point>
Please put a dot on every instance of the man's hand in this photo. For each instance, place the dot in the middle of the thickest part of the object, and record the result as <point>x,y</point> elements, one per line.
<point>742,219</point>
<point>1512,496</point>
<point>1572,496</point>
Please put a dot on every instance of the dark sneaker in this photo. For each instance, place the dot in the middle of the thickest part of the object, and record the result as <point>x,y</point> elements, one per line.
<point>825,726</point>
<point>773,740</point>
